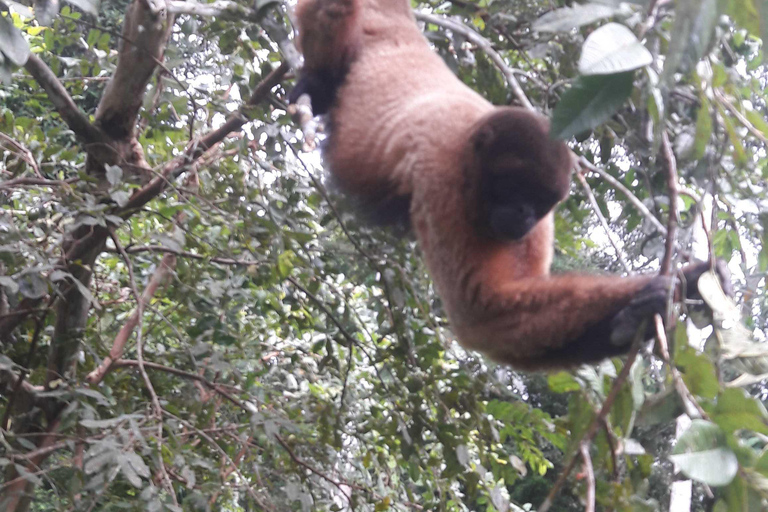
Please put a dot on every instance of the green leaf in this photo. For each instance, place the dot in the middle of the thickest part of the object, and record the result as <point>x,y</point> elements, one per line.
<point>46,11</point>
<point>698,372</point>
<point>589,102</point>
<point>660,408</point>
<point>32,285</point>
<point>128,471</point>
<point>285,263</point>
<point>762,9</point>
<point>739,154</point>
<point>562,382</point>
<point>568,18</point>
<point>744,13</point>
<point>121,197</point>
<point>756,119</point>
<point>612,49</point>
<point>703,454</point>
<point>737,410</point>
<point>12,42</point>
<point>89,6</point>
<point>9,284</point>
<point>114,174</point>
<point>261,4</point>
<point>691,33</point>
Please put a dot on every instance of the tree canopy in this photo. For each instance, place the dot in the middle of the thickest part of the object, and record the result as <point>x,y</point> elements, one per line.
<point>191,318</point>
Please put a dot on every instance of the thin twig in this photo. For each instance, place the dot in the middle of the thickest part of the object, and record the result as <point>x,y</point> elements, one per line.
<point>672,221</point>
<point>589,474</point>
<point>31,182</point>
<point>224,456</point>
<point>487,47</point>
<point>23,152</point>
<point>325,477</point>
<point>685,394</point>
<point>131,363</point>
<point>5,422</point>
<point>166,266</point>
<point>741,117</point>
<point>186,254</point>
<point>603,222</point>
<point>158,410</point>
<point>583,162</point>
<point>596,422</point>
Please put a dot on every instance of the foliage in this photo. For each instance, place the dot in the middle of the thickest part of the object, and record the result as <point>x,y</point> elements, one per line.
<point>291,357</point>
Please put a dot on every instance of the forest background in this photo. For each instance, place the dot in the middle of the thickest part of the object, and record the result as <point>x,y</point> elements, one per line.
<point>191,320</point>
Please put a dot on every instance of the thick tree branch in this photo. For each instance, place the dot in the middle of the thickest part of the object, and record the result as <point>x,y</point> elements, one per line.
<point>195,150</point>
<point>63,103</point>
<point>146,30</point>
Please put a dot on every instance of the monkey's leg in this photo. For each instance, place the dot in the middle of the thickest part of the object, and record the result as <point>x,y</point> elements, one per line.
<point>329,37</point>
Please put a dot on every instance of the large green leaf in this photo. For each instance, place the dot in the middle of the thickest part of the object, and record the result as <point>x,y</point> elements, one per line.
<point>12,42</point>
<point>611,49</point>
<point>736,410</point>
<point>703,455</point>
<point>568,18</point>
<point>591,101</point>
<point>690,36</point>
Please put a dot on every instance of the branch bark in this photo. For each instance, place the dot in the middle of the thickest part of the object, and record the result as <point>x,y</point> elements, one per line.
<point>63,103</point>
<point>146,29</point>
<point>166,266</point>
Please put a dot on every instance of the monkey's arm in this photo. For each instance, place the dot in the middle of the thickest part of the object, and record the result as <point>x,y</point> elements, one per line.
<point>557,321</point>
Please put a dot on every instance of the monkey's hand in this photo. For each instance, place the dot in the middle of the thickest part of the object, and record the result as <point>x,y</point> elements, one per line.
<point>655,296</point>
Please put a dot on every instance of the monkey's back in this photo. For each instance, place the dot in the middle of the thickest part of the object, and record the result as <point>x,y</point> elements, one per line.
<point>393,112</point>
<point>411,131</point>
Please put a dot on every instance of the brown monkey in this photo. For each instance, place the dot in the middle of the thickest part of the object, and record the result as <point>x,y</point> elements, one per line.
<point>477,182</point>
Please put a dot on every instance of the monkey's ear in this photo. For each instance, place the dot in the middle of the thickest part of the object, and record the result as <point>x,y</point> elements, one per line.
<point>483,138</point>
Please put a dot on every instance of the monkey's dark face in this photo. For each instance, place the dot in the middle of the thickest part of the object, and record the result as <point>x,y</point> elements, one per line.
<point>523,174</point>
<point>513,207</point>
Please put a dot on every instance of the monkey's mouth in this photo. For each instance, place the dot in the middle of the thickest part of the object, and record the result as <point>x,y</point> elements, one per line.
<point>512,223</point>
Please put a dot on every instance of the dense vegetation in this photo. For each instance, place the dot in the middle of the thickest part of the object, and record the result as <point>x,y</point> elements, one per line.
<point>191,320</point>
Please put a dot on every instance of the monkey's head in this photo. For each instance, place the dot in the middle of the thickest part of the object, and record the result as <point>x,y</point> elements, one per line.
<point>523,173</point>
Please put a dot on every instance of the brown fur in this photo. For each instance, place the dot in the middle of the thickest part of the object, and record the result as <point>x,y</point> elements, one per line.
<point>402,124</point>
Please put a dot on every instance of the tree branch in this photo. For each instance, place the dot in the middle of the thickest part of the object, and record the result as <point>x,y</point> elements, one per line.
<point>669,246</point>
<point>187,254</point>
<point>487,47</point>
<point>195,150</point>
<point>598,420</point>
<point>146,29</point>
<point>63,103</point>
<point>603,222</point>
<point>166,266</point>
<point>585,164</point>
